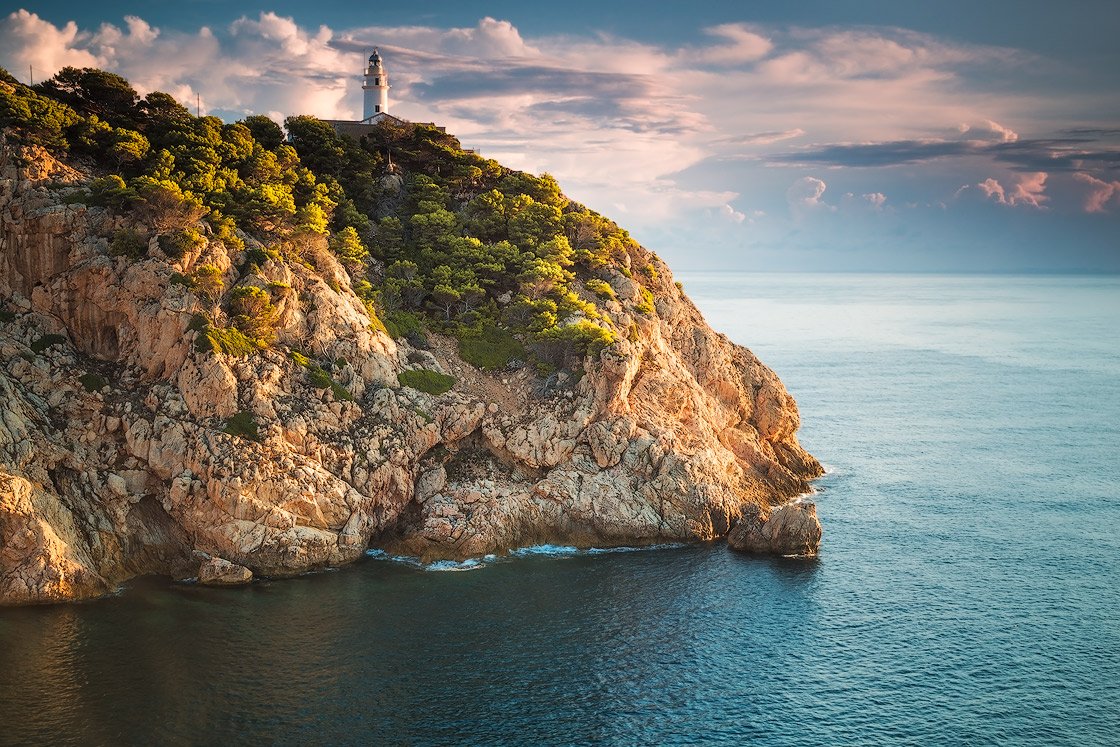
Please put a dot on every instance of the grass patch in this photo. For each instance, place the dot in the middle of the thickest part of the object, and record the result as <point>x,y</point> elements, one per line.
<point>429,382</point>
<point>491,348</point>
<point>46,341</point>
<point>299,358</point>
<point>243,424</point>
<point>92,382</point>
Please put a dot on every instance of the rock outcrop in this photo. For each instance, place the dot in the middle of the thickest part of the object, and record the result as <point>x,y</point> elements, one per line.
<point>124,447</point>
<point>220,572</point>
<point>790,529</point>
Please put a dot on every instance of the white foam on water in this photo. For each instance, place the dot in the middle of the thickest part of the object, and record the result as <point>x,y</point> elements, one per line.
<point>550,550</point>
<point>473,564</point>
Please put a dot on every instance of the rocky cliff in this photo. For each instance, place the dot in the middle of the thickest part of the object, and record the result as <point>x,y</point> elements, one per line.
<point>127,448</point>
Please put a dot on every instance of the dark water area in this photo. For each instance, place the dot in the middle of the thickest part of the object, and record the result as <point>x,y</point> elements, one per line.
<point>966,592</point>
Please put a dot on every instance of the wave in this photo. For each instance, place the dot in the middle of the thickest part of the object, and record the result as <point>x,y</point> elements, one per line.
<point>546,550</point>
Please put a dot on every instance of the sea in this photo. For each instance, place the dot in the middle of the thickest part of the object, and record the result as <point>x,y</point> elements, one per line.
<point>967,590</point>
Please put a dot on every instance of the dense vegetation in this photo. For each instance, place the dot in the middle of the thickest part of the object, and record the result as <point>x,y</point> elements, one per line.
<point>438,239</point>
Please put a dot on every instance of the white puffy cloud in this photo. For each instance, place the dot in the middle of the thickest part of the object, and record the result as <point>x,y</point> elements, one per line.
<point>805,195</point>
<point>876,199</point>
<point>28,40</point>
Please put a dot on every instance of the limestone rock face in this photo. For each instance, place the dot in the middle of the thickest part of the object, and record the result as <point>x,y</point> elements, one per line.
<point>124,448</point>
<point>790,529</point>
<point>219,572</point>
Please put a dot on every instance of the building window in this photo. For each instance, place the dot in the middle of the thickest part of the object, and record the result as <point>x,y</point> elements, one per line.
<point>377,81</point>
<point>377,107</point>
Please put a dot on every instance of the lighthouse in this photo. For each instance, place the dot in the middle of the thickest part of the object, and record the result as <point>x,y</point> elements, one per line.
<point>376,88</point>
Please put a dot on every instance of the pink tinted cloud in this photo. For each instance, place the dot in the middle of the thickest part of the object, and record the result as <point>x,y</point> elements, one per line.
<point>1024,189</point>
<point>1101,193</point>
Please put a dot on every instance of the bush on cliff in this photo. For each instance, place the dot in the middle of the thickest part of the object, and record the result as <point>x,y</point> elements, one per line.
<point>429,382</point>
<point>253,313</point>
<point>243,424</point>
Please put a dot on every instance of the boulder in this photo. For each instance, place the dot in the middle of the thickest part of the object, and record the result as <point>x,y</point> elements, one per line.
<point>789,529</point>
<point>220,572</point>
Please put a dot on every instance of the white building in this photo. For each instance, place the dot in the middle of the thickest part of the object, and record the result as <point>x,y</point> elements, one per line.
<point>376,88</point>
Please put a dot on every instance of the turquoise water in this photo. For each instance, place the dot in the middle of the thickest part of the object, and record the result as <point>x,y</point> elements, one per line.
<point>966,592</point>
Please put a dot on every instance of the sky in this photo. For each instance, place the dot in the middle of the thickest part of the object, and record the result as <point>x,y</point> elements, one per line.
<point>770,136</point>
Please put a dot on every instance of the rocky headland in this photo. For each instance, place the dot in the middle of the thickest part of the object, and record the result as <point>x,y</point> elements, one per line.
<point>132,442</point>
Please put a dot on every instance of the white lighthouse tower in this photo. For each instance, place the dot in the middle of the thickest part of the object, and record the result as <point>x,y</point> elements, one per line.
<point>376,88</point>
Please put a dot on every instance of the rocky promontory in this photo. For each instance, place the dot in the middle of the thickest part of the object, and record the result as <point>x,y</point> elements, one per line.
<point>135,438</point>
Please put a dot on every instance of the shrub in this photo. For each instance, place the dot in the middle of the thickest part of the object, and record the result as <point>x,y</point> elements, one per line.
<point>129,243</point>
<point>492,347</point>
<point>243,424</point>
<point>254,313</point>
<point>370,297</point>
<point>111,191</point>
<point>164,206</point>
<point>347,245</point>
<point>256,256</point>
<point>319,378</point>
<point>583,337</point>
<point>429,382</point>
<point>645,306</point>
<point>403,324</point>
<point>177,243</point>
<point>207,282</point>
<point>601,288</point>
<point>92,382</point>
<point>46,341</point>
<point>7,316</point>
<point>224,339</point>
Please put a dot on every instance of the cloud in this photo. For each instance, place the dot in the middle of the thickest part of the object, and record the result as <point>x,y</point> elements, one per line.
<point>877,199</point>
<point>1027,154</point>
<point>805,195</point>
<point>1100,194</point>
<point>740,43</point>
<point>731,213</point>
<point>31,41</point>
<point>1006,134</point>
<point>761,138</point>
<point>1025,189</point>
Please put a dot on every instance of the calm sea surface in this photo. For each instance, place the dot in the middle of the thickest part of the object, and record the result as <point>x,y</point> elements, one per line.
<point>967,592</point>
